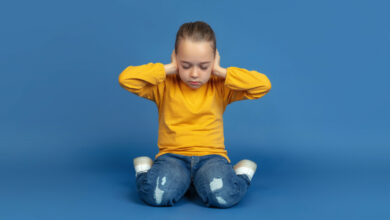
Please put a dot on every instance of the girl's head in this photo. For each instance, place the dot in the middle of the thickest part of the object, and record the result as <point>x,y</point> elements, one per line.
<point>195,49</point>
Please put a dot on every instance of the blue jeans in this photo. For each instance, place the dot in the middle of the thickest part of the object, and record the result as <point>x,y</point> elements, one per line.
<point>211,177</point>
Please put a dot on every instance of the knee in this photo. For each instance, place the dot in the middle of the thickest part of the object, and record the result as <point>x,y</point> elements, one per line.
<point>159,198</point>
<point>159,194</point>
<point>221,200</point>
<point>218,195</point>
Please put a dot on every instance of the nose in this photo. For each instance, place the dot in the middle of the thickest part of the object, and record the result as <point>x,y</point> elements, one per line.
<point>194,73</point>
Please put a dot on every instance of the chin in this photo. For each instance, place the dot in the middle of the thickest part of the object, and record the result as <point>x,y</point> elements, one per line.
<point>195,86</point>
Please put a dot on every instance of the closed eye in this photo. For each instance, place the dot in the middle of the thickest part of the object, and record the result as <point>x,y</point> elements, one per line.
<point>202,67</point>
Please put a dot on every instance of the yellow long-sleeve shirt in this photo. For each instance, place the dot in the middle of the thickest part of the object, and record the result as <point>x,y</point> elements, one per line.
<point>190,121</point>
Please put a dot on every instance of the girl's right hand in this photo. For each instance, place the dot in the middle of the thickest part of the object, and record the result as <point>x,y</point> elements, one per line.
<point>171,68</point>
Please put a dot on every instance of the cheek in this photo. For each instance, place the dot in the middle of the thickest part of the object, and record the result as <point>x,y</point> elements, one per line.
<point>183,73</point>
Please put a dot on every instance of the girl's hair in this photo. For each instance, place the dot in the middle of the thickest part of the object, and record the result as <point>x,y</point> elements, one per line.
<point>196,31</point>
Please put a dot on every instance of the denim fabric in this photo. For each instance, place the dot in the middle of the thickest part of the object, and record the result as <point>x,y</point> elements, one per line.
<point>211,177</point>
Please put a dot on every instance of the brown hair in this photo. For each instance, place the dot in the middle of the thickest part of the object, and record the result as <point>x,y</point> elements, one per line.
<point>196,31</point>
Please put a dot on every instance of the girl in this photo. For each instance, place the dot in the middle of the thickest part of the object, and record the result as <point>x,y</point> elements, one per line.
<point>191,94</point>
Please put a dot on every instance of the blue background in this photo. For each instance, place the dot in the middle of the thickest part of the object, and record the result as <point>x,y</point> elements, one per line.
<point>69,132</point>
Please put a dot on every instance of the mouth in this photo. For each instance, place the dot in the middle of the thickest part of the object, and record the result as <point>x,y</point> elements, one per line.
<point>194,83</point>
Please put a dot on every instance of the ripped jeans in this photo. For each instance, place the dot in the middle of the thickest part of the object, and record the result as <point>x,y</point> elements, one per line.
<point>211,177</point>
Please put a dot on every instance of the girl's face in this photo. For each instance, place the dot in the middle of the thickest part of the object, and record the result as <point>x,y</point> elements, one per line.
<point>195,62</point>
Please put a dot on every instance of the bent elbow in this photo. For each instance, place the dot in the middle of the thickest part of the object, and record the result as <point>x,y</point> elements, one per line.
<point>262,90</point>
<point>124,78</point>
<point>266,85</point>
<point>121,79</point>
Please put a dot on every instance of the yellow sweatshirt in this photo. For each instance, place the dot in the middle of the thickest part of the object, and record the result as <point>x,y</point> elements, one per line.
<point>190,121</point>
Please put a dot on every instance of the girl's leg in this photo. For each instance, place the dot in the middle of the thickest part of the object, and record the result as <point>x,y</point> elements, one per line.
<point>165,183</point>
<point>218,185</point>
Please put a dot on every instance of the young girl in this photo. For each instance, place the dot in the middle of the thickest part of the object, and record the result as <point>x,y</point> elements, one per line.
<point>191,94</point>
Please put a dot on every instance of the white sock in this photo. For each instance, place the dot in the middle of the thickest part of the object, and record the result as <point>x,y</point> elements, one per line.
<point>245,170</point>
<point>142,164</point>
<point>246,167</point>
<point>142,168</point>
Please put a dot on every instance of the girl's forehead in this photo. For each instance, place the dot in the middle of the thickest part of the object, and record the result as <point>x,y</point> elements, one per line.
<point>195,51</point>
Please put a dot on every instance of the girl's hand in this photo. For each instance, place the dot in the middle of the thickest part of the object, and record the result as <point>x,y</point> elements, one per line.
<point>217,69</point>
<point>172,67</point>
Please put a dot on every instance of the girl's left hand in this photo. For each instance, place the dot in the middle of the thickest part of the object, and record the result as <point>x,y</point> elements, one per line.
<point>217,69</point>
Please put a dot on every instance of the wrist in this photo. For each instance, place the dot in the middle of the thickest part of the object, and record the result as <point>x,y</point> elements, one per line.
<point>170,68</point>
<point>220,71</point>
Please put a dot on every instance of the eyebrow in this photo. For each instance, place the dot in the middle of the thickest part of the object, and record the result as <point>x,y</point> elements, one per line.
<point>191,63</point>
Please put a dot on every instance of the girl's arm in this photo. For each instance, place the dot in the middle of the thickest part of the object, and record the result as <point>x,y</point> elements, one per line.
<point>243,84</point>
<point>145,80</point>
<point>240,83</point>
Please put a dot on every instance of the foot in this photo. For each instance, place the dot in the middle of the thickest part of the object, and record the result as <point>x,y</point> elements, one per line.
<point>247,167</point>
<point>142,164</point>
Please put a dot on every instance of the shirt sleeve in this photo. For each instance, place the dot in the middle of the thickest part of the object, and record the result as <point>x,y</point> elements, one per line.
<point>241,84</point>
<point>145,81</point>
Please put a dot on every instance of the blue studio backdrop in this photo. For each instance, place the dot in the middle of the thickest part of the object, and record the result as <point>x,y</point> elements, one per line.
<point>69,132</point>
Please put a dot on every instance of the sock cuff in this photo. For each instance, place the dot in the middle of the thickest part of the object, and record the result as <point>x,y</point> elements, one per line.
<point>142,167</point>
<point>245,170</point>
